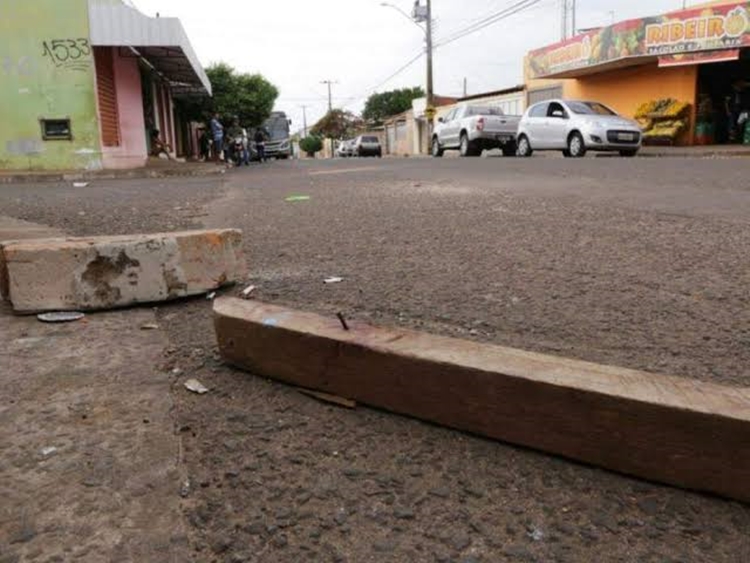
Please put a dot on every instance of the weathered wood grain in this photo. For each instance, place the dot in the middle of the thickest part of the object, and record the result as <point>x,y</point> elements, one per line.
<point>668,429</point>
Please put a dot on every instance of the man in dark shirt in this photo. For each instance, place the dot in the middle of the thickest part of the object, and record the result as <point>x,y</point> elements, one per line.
<point>260,143</point>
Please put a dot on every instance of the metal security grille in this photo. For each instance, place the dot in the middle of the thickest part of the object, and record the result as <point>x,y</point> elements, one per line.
<point>107,94</point>
<point>544,94</point>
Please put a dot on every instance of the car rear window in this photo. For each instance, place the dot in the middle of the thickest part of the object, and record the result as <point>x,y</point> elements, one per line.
<point>485,110</point>
<point>370,140</point>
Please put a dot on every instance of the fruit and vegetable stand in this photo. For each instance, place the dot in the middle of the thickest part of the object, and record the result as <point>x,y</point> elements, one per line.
<point>663,121</point>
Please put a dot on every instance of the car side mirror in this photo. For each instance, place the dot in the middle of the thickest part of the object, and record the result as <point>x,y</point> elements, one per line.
<point>441,120</point>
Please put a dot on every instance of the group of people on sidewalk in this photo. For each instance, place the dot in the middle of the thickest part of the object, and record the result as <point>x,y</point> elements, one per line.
<point>232,144</point>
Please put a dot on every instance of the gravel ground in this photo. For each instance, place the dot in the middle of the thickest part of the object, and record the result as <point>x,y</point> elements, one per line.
<point>634,263</point>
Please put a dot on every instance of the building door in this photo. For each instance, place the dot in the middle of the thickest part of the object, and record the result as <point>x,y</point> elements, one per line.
<point>109,116</point>
<point>391,139</point>
<point>149,123</point>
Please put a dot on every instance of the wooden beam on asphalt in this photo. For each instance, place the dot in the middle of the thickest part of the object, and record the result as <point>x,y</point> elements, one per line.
<point>672,430</point>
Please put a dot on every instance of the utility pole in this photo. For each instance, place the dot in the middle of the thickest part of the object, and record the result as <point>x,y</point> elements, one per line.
<point>423,14</point>
<point>329,83</point>
<point>465,88</point>
<point>573,29</point>
<point>304,120</point>
<point>568,16</point>
<point>430,93</point>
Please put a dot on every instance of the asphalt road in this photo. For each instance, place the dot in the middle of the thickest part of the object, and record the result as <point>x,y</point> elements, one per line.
<point>641,263</point>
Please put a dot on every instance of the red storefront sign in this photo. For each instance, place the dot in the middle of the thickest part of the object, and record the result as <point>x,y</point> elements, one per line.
<point>715,28</point>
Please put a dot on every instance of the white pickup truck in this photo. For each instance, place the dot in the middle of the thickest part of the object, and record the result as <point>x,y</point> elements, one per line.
<point>473,129</point>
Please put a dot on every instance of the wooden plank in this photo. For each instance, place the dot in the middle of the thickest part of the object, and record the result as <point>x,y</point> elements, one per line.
<point>672,430</point>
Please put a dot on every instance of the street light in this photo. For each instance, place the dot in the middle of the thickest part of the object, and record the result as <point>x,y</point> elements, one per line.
<point>428,39</point>
<point>407,16</point>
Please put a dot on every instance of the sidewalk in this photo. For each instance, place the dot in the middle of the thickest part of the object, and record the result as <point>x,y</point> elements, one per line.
<point>704,151</point>
<point>155,168</point>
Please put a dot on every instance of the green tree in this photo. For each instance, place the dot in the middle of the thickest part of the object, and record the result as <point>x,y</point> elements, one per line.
<point>385,104</point>
<point>337,124</point>
<point>248,96</point>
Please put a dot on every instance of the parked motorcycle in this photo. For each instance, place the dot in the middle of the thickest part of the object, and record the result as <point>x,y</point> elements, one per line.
<point>238,151</point>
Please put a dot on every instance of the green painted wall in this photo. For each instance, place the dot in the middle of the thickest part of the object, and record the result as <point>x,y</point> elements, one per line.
<point>47,71</point>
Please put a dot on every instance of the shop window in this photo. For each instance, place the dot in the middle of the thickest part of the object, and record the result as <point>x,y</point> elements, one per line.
<point>56,130</point>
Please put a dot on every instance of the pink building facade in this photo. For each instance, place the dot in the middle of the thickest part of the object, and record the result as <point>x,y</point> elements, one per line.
<point>142,65</point>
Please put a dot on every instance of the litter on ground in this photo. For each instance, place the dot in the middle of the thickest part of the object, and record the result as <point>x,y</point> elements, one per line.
<point>248,291</point>
<point>196,387</point>
<point>60,317</point>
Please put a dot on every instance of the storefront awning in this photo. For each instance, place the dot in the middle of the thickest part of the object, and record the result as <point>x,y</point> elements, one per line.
<point>604,67</point>
<point>705,57</point>
<point>160,41</point>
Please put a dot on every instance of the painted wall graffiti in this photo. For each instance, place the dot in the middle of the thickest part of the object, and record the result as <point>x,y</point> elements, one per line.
<point>47,73</point>
<point>74,54</point>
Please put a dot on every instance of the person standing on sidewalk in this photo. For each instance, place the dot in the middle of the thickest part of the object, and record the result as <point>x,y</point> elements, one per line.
<point>205,146</point>
<point>260,144</point>
<point>217,132</point>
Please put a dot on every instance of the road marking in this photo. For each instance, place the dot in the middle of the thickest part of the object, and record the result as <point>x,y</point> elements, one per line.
<point>343,171</point>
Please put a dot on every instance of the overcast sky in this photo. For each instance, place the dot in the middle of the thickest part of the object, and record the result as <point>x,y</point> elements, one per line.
<point>359,43</point>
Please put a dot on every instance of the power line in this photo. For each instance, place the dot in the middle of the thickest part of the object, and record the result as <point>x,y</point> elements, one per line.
<point>486,22</point>
<point>391,77</point>
<point>399,71</point>
<point>476,26</point>
<point>505,13</point>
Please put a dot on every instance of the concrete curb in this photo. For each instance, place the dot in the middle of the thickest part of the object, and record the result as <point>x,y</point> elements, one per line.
<point>135,174</point>
<point>667,429</point>
<point>688,154</point>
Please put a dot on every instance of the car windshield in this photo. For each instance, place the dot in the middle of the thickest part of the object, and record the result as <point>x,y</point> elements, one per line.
<point>369,139</point>
<point>590,108</point>
<point>484,110</point>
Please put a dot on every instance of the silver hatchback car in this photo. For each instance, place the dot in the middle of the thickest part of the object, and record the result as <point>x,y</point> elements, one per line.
<point>575,127</point>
